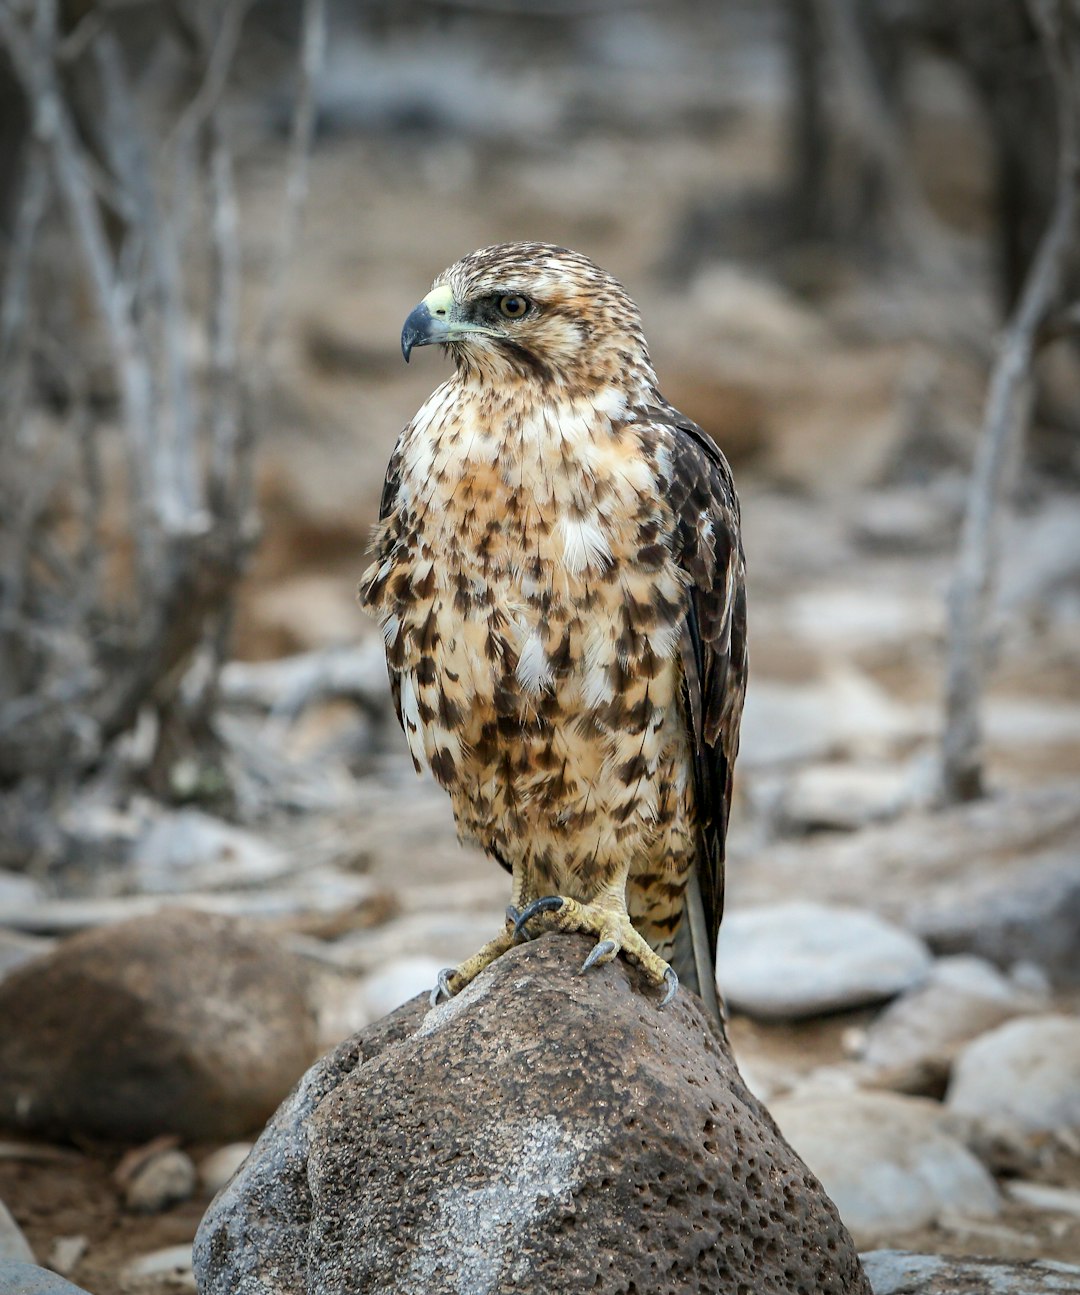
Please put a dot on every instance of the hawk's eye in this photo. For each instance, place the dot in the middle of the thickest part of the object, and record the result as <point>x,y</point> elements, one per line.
<point>514,305</point>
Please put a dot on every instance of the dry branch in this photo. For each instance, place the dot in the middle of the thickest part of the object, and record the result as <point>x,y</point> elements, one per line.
<point>1006,413</point>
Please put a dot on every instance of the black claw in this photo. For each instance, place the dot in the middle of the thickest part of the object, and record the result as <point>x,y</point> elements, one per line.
<point>442,986</point>
<point>600,950</point>
<point>513,916</point>
<point>672,982</point>
<point>548,904</point>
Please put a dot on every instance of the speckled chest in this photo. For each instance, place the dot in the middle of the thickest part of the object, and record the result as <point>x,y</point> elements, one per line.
<point>532,607</point>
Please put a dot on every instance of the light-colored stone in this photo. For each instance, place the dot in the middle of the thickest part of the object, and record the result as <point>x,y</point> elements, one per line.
<point>844,714</point>
<point>784,961</point>
<point>912,1044</point>
<point>17,891</point>
<point>13,1244</point>
<point>220,1165</point>
<point>171,1262</point>
<point>997,878</point>
<point>1043,1196</point>
<point>844,796</point>
<point>894,1272</point>
<point>1020,1085</point>
<point>397,981</point>
<point>190,850</point>
<point>65,1254</point>
<point>163,1180</point>
<point>17,948</point>
<point>889,1162</point>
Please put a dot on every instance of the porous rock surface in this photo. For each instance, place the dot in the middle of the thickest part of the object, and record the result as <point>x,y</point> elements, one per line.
<point>178,1022</point>
<point>543,1131</point>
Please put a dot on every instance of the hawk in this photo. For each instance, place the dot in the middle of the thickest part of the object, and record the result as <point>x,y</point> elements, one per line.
<point>558,573</point>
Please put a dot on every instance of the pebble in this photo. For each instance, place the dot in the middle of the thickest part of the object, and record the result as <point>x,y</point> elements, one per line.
<point>1042,1196</point>
<point>398,981</point>
<point>190,850</point>
<point>28,1279</point>
<point>173,1262</point>
<point>65,1254</point>
<point>1020,1085</point>
<point>890,1163</point>
<point>912,1044</point>
<point>847,713</point>
<point>163,1180</point>
<point>787,961</point>
<point>13,1244</point>
<point>17,948</point>
<point>220,1165</point>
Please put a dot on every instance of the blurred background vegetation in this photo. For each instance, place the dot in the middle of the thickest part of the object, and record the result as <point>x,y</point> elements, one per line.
<point>214,217</point>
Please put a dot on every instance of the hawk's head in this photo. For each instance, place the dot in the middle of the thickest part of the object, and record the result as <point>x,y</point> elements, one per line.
<point>535,312</point>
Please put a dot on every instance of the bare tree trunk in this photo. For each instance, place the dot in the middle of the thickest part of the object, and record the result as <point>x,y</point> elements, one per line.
<point>1006,414</point>
<point>78,668</point>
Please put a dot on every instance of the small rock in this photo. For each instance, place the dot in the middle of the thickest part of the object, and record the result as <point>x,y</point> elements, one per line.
<point>888,1162</point>
<point>786,961</point>
<point>534,1123</point>
<point>905,521</point>
<point>190,850</point>
<point>180,1022</point>
<point>13,1244</point>
<point>1041,1196</point>
<point>843,796</point>
<point>164,1180</point>
<point>65,1254</point>
<point>398,981</point>
<point>912,1044</point>
<point>16,949</point>
<point>1020,1085</point>
<point>220,1165</point>
<point>173,1262</point>
<point>894,1272</point>
<point>17,891</point>
<point>29,1279</point>
<point>846,713</point>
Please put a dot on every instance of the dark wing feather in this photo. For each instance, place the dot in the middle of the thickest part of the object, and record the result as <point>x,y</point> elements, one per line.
<point>385,538</point>
<point>708,547</point>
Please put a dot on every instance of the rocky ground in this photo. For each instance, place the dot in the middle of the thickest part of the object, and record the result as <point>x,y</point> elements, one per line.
<point>903,981</point>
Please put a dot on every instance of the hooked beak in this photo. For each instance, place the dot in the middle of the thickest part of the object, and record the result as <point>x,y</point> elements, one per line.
<point>436,319</point>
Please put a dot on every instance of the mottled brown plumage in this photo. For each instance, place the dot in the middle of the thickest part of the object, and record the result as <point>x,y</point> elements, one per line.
<point>559,578</point>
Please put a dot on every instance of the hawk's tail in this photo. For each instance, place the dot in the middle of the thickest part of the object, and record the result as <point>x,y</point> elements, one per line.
<point>693,959</point>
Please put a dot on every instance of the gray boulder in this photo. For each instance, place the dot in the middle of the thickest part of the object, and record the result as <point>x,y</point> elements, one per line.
<point>1020,1085</point>
<point>543,1131</point>
<point>179,1022</point>
<point>28,1279</point>
<point>893,1272</point>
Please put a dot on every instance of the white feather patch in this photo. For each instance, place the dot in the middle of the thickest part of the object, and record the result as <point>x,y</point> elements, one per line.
<point>410,715</point>
<point>390,628</point>
<point>533,668</point>
<point>584,545</point>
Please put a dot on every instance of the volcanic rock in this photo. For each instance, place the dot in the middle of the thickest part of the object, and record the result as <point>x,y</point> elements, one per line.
<point>544,1130</point>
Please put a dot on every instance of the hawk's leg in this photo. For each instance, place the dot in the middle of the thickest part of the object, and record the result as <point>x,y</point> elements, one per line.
<point>454,979</point>
<point>606,917</point>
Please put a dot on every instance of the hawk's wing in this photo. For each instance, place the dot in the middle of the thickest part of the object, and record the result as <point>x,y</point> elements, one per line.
<point>383,542</point>
<point>708,547</point>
